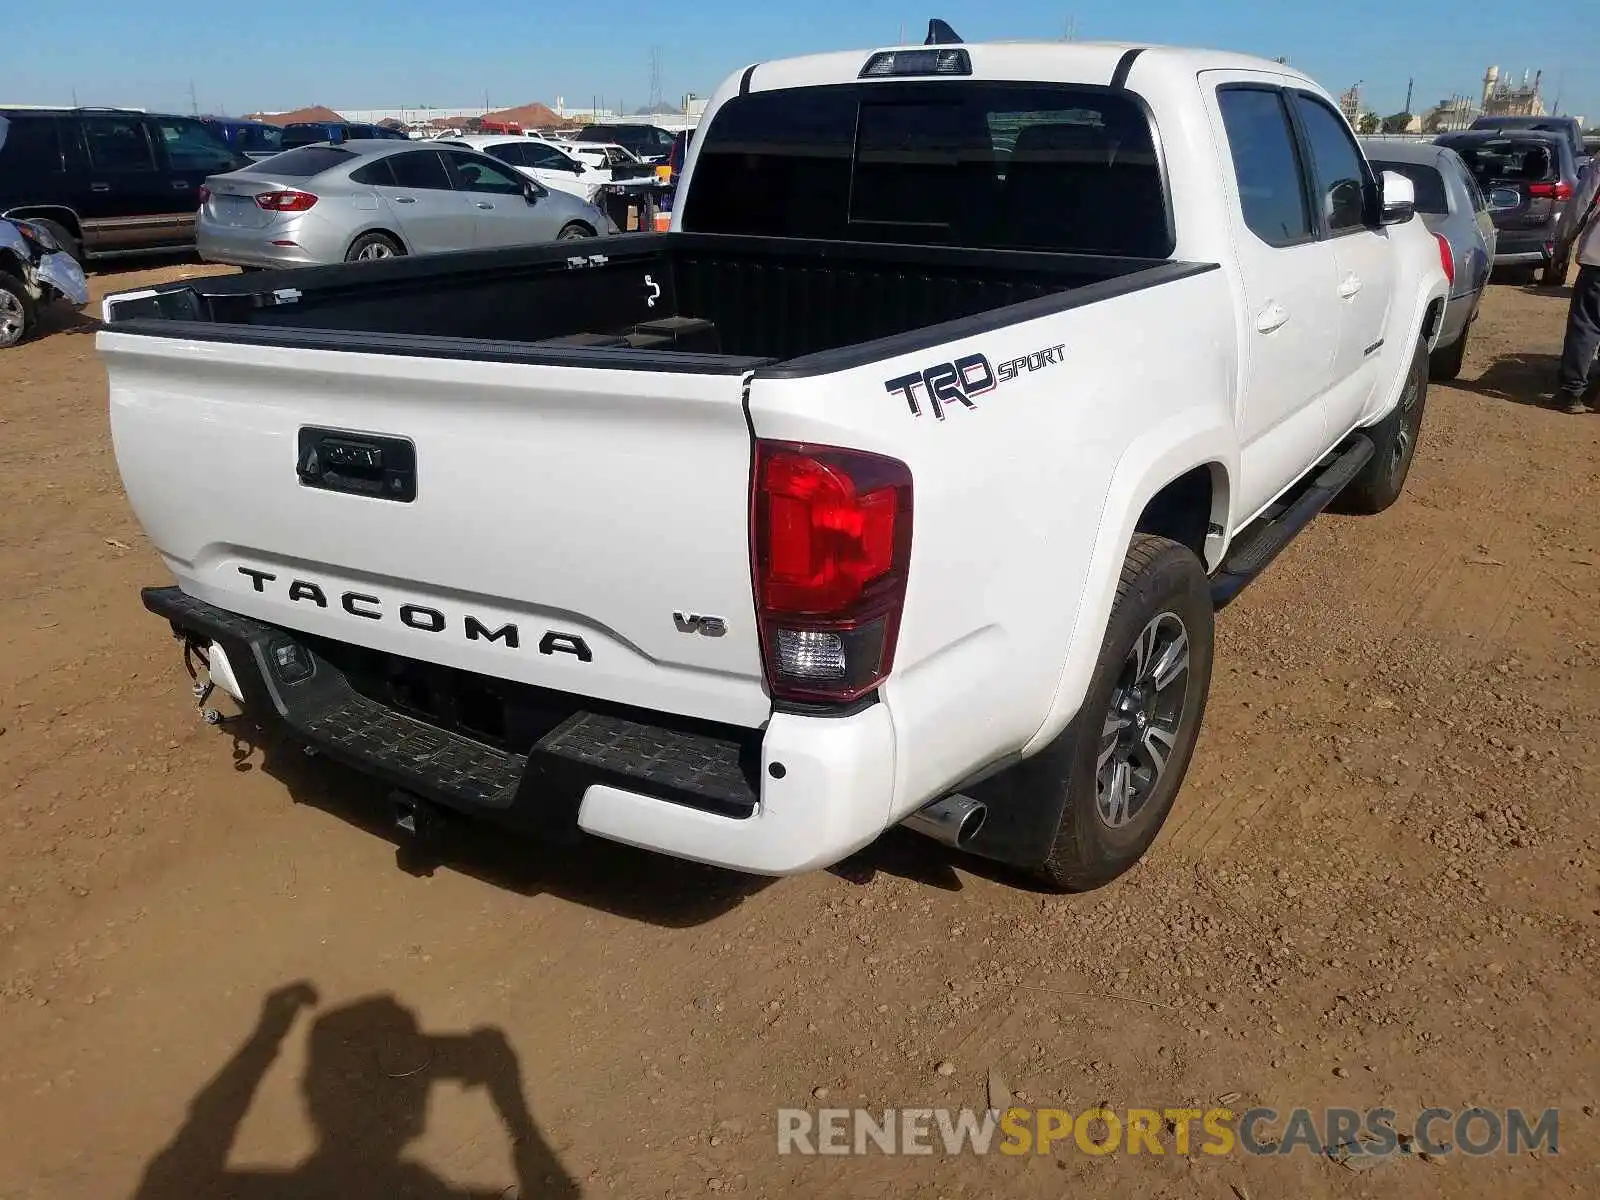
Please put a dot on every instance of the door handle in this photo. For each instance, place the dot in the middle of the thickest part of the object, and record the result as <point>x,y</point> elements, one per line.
<point>1350,286</point>
<point>99,187</point>
<point>482,204</point>
<point>405,199</point>
<point>1273,316</point>
<point>181,185</point>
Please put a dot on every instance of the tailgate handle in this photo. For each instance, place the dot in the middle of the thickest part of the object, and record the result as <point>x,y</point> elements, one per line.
<point>360,464</point>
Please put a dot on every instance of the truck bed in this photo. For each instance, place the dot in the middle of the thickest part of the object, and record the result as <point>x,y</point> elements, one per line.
<point>681,301</point>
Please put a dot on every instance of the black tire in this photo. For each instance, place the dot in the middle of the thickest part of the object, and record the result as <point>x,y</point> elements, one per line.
<point>1446,364</point>
<point>574,230</point>
<point>1394,441</point>
<point>372,247</point>
<point>1163,592</point>
<point>19,316</point>
<point>63,237</point>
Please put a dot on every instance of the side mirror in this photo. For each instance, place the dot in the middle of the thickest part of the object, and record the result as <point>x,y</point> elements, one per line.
<point>577,167</point>
<point>532,192</point>
<point>1398,199</point>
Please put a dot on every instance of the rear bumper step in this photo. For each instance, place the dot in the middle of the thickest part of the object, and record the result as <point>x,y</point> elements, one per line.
<point>711,771</point>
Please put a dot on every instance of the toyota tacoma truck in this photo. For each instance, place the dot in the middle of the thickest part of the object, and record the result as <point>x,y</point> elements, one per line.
<point>898,483</point>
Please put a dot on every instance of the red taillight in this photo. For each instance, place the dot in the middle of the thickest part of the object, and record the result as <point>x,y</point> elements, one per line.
<point>1551,191</point>
<point>205,193</point>
<point>285,201</point>
<point>831,542</point>
<point>1447,258</point>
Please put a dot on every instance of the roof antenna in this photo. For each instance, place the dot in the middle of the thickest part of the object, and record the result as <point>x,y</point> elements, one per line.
<point>940,34</point>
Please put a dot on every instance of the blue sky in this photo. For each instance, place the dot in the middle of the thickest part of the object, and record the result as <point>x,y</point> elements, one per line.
<point>286,53</point>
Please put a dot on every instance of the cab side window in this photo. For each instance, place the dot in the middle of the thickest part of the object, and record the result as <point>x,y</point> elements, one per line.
<point>1265,164</point>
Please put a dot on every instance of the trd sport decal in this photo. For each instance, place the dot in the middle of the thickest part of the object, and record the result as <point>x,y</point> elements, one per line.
<point>965,379</point>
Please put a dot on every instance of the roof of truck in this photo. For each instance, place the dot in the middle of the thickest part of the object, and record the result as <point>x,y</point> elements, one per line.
<point>1085,62</point>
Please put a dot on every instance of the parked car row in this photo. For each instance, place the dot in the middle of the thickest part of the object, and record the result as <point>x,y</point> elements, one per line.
<point>102,183</point>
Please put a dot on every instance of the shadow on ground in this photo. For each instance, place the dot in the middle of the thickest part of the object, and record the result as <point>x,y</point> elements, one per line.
<point>590,871</point>
<point>368,1075</point>
<point>1519,378</point>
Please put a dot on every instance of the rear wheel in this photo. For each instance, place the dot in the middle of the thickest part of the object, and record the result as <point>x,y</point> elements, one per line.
<point>17,311</point>
<point>1394,441</point>
<point>574,231</point>
<point>1121,762</point>
<point>370,247</point>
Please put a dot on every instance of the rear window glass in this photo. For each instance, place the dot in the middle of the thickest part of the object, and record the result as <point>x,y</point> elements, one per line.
<point>307,161</point>
<point>1508,160</point>
<point>30,145</point>
<point>1427,181</point>
<point>960,163</point>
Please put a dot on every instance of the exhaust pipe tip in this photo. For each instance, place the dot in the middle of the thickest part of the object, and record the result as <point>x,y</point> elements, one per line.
<point>953,821</point>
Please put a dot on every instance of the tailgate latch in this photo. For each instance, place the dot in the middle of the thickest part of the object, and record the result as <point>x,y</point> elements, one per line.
<point>361,464</point>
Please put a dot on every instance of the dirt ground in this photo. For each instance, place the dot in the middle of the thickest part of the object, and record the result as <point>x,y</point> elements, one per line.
<point>219,978</point>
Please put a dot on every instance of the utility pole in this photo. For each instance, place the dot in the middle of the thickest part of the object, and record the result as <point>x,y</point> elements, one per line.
<point>194,104</point>
<point>655,77</point>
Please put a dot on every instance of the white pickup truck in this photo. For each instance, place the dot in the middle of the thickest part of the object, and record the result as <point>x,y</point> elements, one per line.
<point>898,483</point>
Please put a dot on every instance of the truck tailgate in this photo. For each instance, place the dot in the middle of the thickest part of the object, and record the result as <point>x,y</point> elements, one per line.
<point>578,529</point>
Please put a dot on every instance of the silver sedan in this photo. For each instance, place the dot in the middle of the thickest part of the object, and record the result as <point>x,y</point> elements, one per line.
<point>370,198</point>
<point>1454,210</point>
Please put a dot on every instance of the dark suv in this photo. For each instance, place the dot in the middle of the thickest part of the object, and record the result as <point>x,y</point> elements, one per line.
<point>1529,179</point>
<point>1566,127</point>
<point>645,142</point>
<point>309,133</point>
<point>108,182</point>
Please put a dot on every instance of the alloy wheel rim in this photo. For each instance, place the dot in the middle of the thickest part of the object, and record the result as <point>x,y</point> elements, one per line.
<point>1141,726</point>
<point>1405,438</point>
<point>11,319</point>
<point>374,251</point>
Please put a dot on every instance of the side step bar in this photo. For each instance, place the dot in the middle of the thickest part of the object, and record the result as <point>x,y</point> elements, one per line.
<point>1255,548</point>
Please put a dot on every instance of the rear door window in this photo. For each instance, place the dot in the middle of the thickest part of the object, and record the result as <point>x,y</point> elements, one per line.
<point>374,174</point>
<point>420,169</point>
<point>1266,164</point>
<point>993,165</point>
<point>118,143</point>
<point>29,146</point>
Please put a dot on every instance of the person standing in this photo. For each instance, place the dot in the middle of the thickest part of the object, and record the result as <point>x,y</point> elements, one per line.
<point>1581,230</point>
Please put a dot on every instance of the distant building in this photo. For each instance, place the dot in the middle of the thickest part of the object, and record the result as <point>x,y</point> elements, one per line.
<point>1504,97</point>
<point>1350,104</point>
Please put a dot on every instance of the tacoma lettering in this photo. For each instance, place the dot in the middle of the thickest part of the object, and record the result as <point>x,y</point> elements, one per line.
<point>427,619</point>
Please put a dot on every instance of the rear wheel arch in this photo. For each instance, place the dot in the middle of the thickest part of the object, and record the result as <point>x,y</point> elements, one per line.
<point>1188,509</point>
<point>379,232</point>
<point>1432,319</point>
<point>62,216</point>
